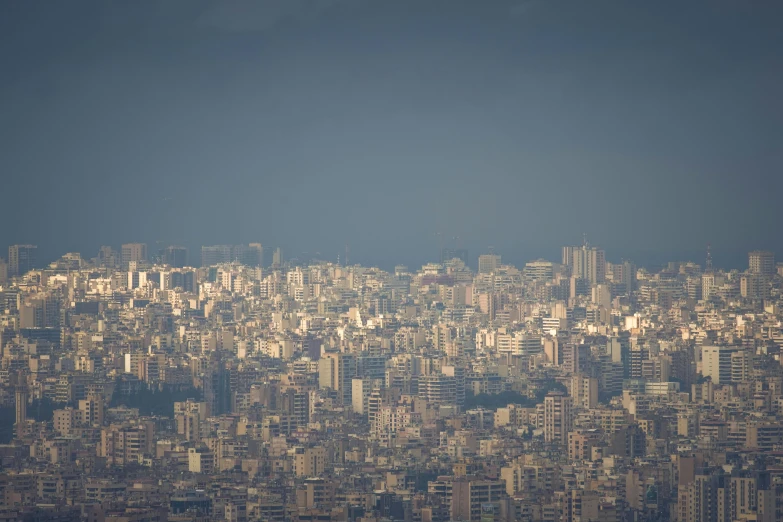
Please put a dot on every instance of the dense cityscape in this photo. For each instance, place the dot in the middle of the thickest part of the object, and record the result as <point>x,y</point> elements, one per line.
<point>139,387</point>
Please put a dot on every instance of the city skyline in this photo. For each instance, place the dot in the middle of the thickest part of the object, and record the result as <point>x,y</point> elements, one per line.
<point>738,260</point>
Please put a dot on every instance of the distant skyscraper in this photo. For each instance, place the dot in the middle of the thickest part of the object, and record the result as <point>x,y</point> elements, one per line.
<point>539,270</point>
<point>21,259</point>
<point>558,417</point>
<point>215,255</point>
<point>568,256</point>
<point>623,277</point>
<point>629,276</point>
<point>241,254</point>
<point>248,255</point>
<point>586,262</point>
<point>277,257</point>
<point>447,254</point>
<point>217,385</point>
<point>255,255</point>
<point>175,256</point>
<point>107,257</point>
<point>488,263</point>
<point>762,263</point>
<point>133,252</point>
<point>21,410</point>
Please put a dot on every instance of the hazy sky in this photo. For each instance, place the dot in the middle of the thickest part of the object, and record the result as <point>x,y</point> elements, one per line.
<point>650,126</point>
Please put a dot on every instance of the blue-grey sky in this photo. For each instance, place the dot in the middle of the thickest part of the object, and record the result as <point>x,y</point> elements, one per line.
<point>654,127</point>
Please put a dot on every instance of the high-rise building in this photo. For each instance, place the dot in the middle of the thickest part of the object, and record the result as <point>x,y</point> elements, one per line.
<point>40,312</point>
<point>107,257</point>
<point>124,444</point>
<point>586,262</point>
<point>215,255</point>
<point>248,255</point>
<point>217,388</point>
<point>488,263</point>
<point>277,258</point>
<point>175,256</point>
<point>93,409</point>
<point>336,371</point>
<point>309,462</point>
<point>716,363</point>
<point>713,495</point>
<point>602,295</point>
<point>761,268</point>
<point>568,256</point>
<point>201,460</point>
<point>254,255</point>
<point>374,405</point>
<point>447,254</point>
<point>472,499</point>
<point>742,366</point>
<point>21,259</point>
<point>582,505</point>
<point>133,253</point>
<point>628,441</point>
<point>584,391</point>
<point>761,262</point>
<point>361,387</point>
<point>468,497</point>
<point>710,283</point>
<point>540,270</point>
<point>754,286</point>
<point>637,355</point>
<point>437,388</point>
<point>185,279</point>
<point>21,411</point>
<point>295,402</point>
<point>623,277</point>
<point>244,255</point>
<point>558,418</point>
<point>446,386</point>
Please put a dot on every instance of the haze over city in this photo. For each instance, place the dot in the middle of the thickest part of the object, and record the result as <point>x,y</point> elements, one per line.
<point>653,128</point>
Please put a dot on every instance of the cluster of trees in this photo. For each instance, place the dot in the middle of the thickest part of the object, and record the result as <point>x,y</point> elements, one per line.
<point>41,410</point>
<point>499,400</point>
<point>153,401</point>
<point>149,401</point>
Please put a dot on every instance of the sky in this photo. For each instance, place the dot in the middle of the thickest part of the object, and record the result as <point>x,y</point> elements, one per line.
<point>394,126</point>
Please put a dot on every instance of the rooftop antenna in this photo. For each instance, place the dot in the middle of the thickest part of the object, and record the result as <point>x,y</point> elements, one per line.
<point>346,254</point>
<point>708,263</point>
<point>584,238</point>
